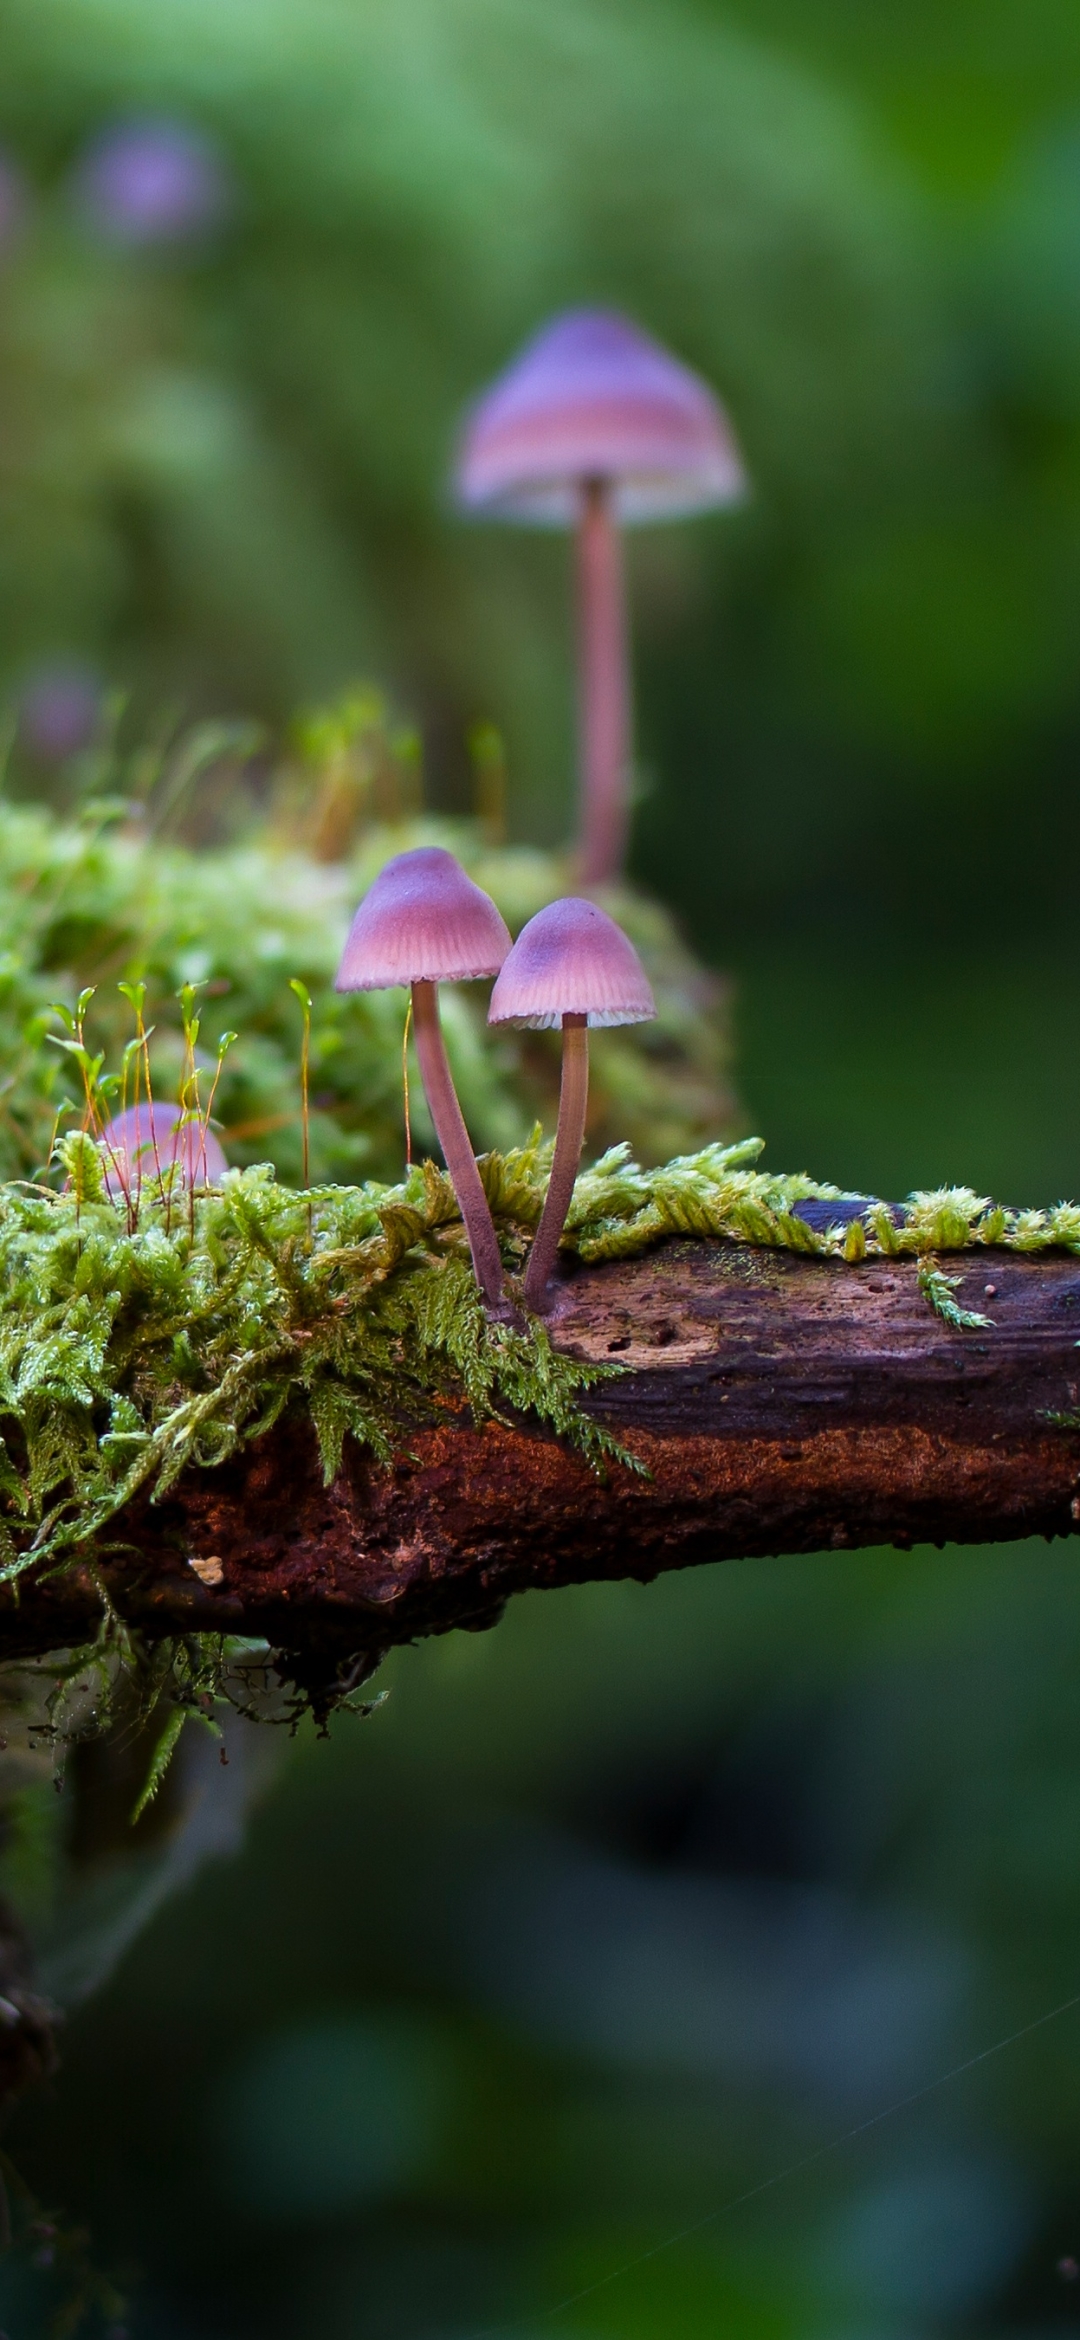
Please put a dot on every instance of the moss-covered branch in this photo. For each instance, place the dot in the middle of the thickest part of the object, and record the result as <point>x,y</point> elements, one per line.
<point>286,1415</point>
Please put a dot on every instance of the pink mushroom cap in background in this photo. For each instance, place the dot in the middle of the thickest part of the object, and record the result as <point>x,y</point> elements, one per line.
<point>423,921</point>
<point>592,397</point>
<point>572,960</point>
<point>135,1143</point>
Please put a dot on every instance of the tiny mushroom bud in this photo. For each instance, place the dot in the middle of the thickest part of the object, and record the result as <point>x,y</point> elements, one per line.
<point>571,965</point>
<point>144,1143</point>
<point>423,923</point>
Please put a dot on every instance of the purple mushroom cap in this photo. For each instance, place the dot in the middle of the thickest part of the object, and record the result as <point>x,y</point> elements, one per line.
<point>150,182</point>
<point>572,960</point>
<point>134,1143</point>
<point>423,921</point>
<point>592,397</point>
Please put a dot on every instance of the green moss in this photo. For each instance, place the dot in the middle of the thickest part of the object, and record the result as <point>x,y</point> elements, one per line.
<point>939,1289</point>
<point>131,1352</point>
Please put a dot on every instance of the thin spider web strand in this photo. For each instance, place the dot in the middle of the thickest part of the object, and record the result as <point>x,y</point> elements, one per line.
<point>792,2169</point>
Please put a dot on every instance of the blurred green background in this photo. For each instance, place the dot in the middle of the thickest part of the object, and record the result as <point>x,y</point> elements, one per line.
<point>607,1917</point>
<point>223,479</point>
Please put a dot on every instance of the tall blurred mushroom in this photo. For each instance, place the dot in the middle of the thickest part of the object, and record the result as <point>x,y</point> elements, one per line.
<point>592,426</point>
<point>423,923</point>
<point>571,965</point>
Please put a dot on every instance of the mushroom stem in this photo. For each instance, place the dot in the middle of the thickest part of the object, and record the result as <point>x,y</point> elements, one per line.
<point>455,1142</point>
<point>604,687</point>
<point>573,1098</point>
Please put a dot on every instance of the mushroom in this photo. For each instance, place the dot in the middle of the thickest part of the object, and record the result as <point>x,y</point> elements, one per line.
<point>423,922</point>
<point>592,425</point>
<point>571,965</point>
<point>147,1140</point>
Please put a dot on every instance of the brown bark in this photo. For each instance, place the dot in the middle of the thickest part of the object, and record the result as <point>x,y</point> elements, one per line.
<point>780,1403</point>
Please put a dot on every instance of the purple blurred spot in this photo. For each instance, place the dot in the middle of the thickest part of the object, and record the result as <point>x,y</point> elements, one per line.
<point>148,1139</point>
<point>150,182</point>
<point>58,711</point>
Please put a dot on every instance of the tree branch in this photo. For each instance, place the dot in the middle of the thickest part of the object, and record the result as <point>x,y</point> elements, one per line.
<point>779,1403</point>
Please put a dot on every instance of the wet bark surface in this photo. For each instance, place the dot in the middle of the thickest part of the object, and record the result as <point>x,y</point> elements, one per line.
<point>779,1404</point>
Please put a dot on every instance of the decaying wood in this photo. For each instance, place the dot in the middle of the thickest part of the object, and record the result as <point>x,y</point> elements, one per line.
<point>779,1403</point>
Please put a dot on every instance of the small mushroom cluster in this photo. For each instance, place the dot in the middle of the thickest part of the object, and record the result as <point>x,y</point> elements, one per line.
<point>424,922</point>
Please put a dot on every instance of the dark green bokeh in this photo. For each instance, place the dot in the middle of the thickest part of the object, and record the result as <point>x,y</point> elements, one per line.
<point>610,1916</point>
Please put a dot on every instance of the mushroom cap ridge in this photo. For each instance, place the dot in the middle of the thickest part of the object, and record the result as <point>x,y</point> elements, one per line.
<point>572,960</point>
<point>592,397</point>
<point>130,1142</point>
<point>423,921</point>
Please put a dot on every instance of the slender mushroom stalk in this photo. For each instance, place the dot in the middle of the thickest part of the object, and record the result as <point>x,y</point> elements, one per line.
<point>423,923</point>
<point>604,688</point>
<point>593,426</point>
<point>573,1101</point>
<point>571,965</point>
<point>454,1139</point>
